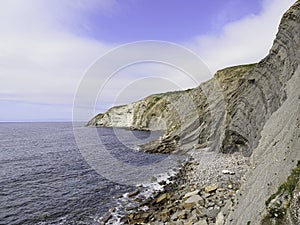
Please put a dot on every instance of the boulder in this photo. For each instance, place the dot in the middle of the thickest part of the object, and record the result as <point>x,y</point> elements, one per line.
<point>189,194</point>
<point>193,201</point>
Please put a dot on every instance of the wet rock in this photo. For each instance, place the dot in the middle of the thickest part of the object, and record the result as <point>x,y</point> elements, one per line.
<point>129,208</point>
<point>139,200</point>
<point>111,210</point>
<point>163,197</point>
<point>162,183</point>
<point>105,218</point>
<point>134,193</point>
<point>131,216</point>
<point>153,179</point>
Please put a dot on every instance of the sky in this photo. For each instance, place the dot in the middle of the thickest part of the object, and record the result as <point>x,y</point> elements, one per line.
<point>47,47</point>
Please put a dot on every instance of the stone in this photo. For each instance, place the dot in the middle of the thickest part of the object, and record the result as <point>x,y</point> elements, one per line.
<point>106,218</point>
<point>174,216</point>
<point>193,201</point>
<point>189,194</point>
<point>164,215</point>
<point>211,212</point>
<point>134,193</point>
<point>137,216</point>
<point>198,212</point>
<point>163,197</point>
<point>201,222</point>
<point>211,188</point>
<point>193,219</point>
<point>139,200</point>
<point>112,210</point>
<point>228,172</point>
<point>131,216</point>
<point>220,219</point>
<point>153,179</point>
<point>182,215</point>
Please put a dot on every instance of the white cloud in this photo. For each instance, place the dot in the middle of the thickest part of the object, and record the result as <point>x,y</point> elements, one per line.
<point>42,61</point>
<point>245,41</point>
<point>39,62</point>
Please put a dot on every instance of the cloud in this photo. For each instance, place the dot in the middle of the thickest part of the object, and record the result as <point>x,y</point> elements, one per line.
<point>142,80</point>
<point>244,41</point>
<point>43,58</point>
<point>43,55</point>
<point>41,62</point>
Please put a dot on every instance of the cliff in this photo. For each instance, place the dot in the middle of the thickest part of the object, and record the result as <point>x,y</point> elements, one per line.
<point>151,113</point>
<point>274,136</point>
<point>192,117</point>
<point>247,96</point>
<point>249,109</point>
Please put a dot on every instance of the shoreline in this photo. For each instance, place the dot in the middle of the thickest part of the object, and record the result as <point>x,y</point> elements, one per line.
<point>141,199</point>
<point>201,192</point>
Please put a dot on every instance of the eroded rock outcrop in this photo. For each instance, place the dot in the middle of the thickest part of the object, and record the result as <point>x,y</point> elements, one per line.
<point>230,109</point>
<point>151,113</point>
<point>191,119</point>
<point>252,111</point>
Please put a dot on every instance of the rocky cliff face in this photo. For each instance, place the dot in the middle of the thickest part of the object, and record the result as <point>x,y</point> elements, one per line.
<point>264,89</point>
<point>151,113</point>
<point>192,118</point>
<point>230,109</point>
<point>250,109</point>
<point>272,129</point>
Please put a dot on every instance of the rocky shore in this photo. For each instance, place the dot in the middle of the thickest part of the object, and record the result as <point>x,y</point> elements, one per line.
<point>196,195</point>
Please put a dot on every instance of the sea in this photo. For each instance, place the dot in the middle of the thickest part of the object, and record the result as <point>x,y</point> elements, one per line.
<point>54,173</point>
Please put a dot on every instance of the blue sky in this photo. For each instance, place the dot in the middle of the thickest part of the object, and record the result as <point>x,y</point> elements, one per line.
<point>46,46</point>
<point>169,20</point>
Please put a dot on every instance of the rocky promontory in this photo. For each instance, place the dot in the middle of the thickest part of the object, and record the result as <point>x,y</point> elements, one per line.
<point>242,131</point>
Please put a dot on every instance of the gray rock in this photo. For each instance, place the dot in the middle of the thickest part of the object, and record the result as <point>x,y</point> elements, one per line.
<point>220,219</point>
<point>189,194</point>
<point>193,201</point>
<point>202,222</point>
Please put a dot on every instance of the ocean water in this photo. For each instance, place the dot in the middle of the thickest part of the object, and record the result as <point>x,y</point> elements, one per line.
<point>45,178</point>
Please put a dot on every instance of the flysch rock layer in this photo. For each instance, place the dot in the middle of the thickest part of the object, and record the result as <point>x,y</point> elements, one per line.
<point>279,146</point>
<point>244,120</point>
